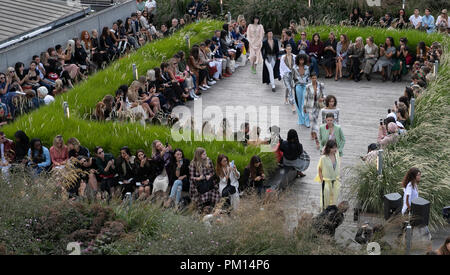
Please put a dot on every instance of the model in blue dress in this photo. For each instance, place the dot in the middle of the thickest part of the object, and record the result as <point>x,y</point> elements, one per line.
<point>301,80</point>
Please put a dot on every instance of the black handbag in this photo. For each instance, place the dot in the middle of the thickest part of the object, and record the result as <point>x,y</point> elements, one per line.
<point>204,186</point>
<point>228,190</point>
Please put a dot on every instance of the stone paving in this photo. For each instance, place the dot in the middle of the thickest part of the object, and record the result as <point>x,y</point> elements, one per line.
<point>361,105</point>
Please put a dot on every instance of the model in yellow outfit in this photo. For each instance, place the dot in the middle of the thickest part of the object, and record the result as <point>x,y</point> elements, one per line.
<point>329,176</point>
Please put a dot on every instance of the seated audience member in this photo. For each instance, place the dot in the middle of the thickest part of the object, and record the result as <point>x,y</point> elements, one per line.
<point>442,22</point>
<point>174,26</point>
<point>75,148</point>
<point>370,57</point>
<point>162,158</point>
<point>6,154</point>
<point>59,87</point>
<point>385,62</point>
<point>146,28</point>
<point>106,170</point>
<point>254,176</point>
<point>403,19</point>
<point>400,60</point>
<point>228,176</point>
<point>341,55</point>
<point>428,22</point>
<point>422,52</point>
<point>198,69</point>
<point>139,111</point>
<point>150,8</point>
<point>146,173</point>
<point>204,189</point>
<point>386,20</point>
<point>164,31</point>
<point>368,18</point>
<point>329,219</point>
<point>126,169</point>
<point>355,17</point>
<point>88,165</point>
<point>3,114</point>
<point>194,8</point>
<point>4,87</point>
<point>81,57</point>
<point>315,52</point>
<point>21,146</point>
<point>178,177</point>
<point>387,137</point>
<point>39,157</point>
<point>356,55</point>
<point>32,77</point>
<point>292,151</point>
<point>416,19</point>
<point>43,94</point>
<point>109,43</point>
<point>99,53</point>
<point>65,58</point>
<point>372,152</point>
<point>59,153</point>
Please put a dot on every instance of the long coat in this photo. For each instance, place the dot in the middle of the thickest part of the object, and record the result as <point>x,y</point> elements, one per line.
<point>266,50</point>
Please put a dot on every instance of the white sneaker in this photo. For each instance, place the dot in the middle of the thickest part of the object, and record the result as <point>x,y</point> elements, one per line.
<point>212,82</point>
<point>206,86</point>
<point>202,88</point>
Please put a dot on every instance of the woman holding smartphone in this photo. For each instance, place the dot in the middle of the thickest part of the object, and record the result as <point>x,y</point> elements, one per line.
<point>228,174</point>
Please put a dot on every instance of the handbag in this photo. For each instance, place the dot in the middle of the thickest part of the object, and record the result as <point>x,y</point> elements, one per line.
<point>161,182</point>
<point>306,159</point>
<point>204,186</point>
<point>229,189</point>
<point>212,70</point>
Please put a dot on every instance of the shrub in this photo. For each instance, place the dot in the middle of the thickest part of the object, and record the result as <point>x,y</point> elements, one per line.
<point>257,228</point>
<point>36,219</point>
<point>425,146</point>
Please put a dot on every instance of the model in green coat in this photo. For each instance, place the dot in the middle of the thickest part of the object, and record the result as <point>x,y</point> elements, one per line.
<point>331,130</point>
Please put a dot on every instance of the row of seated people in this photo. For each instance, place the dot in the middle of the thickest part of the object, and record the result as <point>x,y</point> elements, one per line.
<point>164,172</point>
<point>60,67</point>
<point>338,56</point>
<point>176,81</point>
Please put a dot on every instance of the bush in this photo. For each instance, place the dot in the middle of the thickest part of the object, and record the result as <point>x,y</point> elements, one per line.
<point>425,146</point>
<point>37,219</point>
<point>49,121</point>
<point>379,34</point>
<point>257,228</point>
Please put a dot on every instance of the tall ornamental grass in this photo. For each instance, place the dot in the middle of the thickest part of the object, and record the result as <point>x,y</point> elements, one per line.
<point>49,121</point>
<point>425,146</point>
